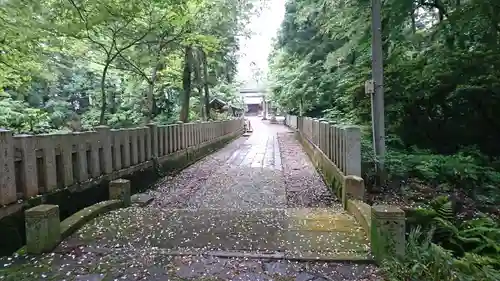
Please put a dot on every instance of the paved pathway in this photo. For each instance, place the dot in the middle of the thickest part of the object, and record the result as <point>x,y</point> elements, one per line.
<point>258,196</point>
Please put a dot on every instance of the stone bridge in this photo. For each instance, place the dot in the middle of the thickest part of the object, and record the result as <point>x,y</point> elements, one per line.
<point>284,203</point>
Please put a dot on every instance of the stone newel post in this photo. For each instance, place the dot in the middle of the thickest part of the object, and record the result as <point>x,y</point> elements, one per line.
<point>387,232</point>
<point>43,230</point>
<point>120,190</point>
<point>354,189</point>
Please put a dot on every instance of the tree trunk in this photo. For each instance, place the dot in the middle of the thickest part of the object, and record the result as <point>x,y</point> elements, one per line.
<point>151,88</point>
<point>199,86</point>
<point>205,83</point>
<point>413,20</point>
<point>301,106</point>
<point>186,85</point>
<point>104,105</point>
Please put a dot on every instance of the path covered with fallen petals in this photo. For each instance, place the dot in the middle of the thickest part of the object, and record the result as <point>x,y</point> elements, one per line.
<point>243,213</point>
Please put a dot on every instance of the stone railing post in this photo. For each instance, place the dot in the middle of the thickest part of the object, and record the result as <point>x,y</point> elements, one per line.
<point>95,164</point>
<point>342,154</point>
<point>325,137</point>
<point>161,141</point>
<point>153,137</point>
<point>320,134</point>
<point>200,132</point>
<point>175,137</point>
<point>190,131</point>
<point>105,139</point>
<point>336,145</point>
<point>387,232</point>
<point>134,148</point>
<point>354,189</point>
<point>142,140</point>
<point>8,174</point>
<point>171,136</point>
<point>120,190</point>
<point>180,135</point>
<point>66,143</point>
<point>126,159</point>
<point>187,127</point>
<point>29,174</point>
<point>81,155</point>
<point>353,150</point>
<point>117,143</point>
<point>331,141</point>
<point>43,229</point>
<point>47,142</point>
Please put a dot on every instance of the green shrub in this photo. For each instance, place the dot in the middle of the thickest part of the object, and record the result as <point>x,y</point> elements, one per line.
<point>468,170</point>
<point>427,261</point>
<point>479,236</point>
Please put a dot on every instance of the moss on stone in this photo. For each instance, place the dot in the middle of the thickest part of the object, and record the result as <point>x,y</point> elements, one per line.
<point>362,212</point>
<point>332,176</point>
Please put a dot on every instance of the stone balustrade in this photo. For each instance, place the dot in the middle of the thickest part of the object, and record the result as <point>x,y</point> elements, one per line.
<point>38,164</point>
<point>335,150</point>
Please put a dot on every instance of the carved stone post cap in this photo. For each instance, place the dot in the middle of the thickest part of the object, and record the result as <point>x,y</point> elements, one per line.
<point>351,127</point>
<point>42,211</point>
<point>120,181</point>
<point>101,127</point>
<point>119,189</point>
<point>353,178</point>
<point>387,211</point>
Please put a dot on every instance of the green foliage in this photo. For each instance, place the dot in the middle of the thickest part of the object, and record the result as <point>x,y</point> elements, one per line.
<point>470,247</point>
<point>459,170</point>
<point>18,116</point>
<point>441,82</point>
<point>78,63</point>
<point>426,261</point>
<point>441,76</point>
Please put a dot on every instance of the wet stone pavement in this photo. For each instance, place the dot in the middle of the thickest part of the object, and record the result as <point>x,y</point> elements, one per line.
<point>238,214</point>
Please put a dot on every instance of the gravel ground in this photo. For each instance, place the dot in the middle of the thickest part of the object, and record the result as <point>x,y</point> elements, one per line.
<point>123,264</point>
<point>304,185</point>
<point>176,191</point>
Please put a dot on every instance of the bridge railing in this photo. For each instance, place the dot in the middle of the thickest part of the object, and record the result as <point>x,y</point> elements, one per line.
<point>36,164</point>
<point>336,152</point>
<point>341,144</point>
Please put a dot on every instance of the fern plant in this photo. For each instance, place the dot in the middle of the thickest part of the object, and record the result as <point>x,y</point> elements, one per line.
<point>423,260</point>
<point>427,261</point>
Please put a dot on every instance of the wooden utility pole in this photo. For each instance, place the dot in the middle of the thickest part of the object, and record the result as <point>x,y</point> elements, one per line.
<point>378,126</point>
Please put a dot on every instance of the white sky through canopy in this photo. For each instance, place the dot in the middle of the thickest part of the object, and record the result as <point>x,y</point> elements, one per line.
<point>257,48</point>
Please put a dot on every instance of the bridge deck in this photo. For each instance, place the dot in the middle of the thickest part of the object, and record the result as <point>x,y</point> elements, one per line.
<point>258,196</point>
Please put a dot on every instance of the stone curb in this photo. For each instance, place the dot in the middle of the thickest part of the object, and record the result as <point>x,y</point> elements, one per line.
<point>347,258</point>
<point>362,212</point>
<point>80,218</point>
